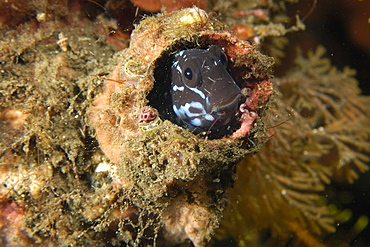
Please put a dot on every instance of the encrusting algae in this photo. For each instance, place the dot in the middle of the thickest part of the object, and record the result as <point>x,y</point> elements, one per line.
<point>92,153</point>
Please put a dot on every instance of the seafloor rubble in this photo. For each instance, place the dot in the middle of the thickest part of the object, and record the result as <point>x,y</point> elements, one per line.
<point>90,154</point>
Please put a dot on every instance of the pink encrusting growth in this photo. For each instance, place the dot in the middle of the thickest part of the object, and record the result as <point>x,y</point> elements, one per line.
<point>148,114</point>
<point>255,98</point>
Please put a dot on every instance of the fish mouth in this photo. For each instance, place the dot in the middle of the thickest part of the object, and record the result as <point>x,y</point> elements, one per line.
<point>227,104</point>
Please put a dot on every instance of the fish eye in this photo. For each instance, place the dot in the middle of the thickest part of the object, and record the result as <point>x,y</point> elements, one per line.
<point>188,73</point>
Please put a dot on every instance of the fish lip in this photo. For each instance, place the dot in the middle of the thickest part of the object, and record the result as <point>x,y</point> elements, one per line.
<point>227,104</point>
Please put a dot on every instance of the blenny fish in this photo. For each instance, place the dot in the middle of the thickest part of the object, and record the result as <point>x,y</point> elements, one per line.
<point>205,98</point>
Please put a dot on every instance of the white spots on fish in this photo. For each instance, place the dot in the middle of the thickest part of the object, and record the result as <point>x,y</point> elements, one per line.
<point>195,111</point>
<point>175,64</point>
<point>177,88</point>
<point>179,111</point>
<point>179,69</point>
<point>197,91</point>
<point>209,117</point>
<point>196,122</point>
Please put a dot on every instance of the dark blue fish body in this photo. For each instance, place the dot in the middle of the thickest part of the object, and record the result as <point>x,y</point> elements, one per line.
<point>204,95</point>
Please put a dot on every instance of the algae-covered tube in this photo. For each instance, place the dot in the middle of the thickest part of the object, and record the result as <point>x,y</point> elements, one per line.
<point>183,105</point>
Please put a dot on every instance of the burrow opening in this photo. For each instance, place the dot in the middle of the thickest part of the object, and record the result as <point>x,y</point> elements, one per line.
<point>160,97</point>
